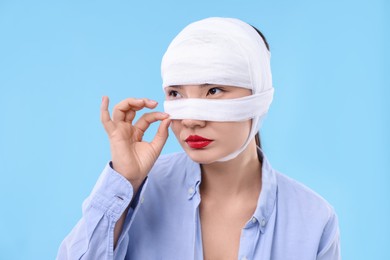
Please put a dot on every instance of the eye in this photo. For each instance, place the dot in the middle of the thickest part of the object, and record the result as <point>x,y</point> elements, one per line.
<point>214,91</point>
<point>173,94</point>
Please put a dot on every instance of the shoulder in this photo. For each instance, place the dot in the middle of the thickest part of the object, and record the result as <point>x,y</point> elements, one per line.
<point>305,219</point>
<point>308,213</point>
<point>292,193</point>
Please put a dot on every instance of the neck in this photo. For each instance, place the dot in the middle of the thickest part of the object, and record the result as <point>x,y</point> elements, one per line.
<point>236,177</point>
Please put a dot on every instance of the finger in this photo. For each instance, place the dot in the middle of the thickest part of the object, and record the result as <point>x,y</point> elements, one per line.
<point>105,114</point>
<point>127,107</point>
<point>119,115</point>
<point>125,110</point>
<point>135,104</point>
<point>161,135</point>
<point>129,116</point>
<point>148,118</point>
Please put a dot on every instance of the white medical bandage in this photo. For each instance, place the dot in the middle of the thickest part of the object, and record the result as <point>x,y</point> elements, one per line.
<point>220,110</point>
<point>219,51</point>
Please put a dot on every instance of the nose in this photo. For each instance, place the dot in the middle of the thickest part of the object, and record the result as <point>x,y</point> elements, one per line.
<point>191,123</point>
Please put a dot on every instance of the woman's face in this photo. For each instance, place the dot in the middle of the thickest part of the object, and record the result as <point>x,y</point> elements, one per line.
<point>208,141</point>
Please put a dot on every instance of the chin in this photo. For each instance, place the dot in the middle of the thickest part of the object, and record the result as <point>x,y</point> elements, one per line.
<point>200,160</point>
<point>202,156</point>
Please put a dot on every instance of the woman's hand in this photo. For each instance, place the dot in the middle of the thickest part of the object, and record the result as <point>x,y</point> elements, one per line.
<point>132,157</point>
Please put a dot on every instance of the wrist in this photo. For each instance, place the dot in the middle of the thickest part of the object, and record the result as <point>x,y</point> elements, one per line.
<point>135,182</point>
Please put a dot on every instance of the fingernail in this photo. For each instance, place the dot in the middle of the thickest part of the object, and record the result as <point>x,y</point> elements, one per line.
<point>152,101</point>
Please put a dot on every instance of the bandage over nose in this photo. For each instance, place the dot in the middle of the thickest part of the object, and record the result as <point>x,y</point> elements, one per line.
<point>220,110</point>
<point>220,51</point>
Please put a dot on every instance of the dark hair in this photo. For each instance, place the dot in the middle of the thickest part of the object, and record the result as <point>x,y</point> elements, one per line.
<point>257,136</point>
<point>262,37</point>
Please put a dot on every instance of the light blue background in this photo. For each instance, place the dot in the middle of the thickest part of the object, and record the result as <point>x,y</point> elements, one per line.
<point>328,127</point>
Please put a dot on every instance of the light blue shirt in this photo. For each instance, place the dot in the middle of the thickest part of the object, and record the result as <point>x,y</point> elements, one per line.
<point>291,222</point>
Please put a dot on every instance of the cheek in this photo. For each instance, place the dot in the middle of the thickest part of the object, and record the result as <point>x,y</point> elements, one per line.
<point>176,127</point>
<point>239,130</point>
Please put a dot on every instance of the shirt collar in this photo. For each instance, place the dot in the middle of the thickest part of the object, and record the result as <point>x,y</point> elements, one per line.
<point>193,177</point>
<point>267,198</point>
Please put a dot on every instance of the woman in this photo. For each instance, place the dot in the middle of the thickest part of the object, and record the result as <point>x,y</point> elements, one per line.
<point>220,199</point>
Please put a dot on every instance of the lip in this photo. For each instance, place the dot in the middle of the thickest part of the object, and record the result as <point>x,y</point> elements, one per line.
<point>197,142</point>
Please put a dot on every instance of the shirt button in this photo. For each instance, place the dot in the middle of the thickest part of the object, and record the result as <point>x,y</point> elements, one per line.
<point>244,258</point>
<point>190,191</point>
<point>254,220</point>
<point>263,222</point>
<point>142,200</point>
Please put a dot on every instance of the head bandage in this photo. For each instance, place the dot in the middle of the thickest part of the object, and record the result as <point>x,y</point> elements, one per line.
<point>221,51</point>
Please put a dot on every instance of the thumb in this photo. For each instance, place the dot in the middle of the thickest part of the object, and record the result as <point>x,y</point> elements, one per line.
<point>161,136</point>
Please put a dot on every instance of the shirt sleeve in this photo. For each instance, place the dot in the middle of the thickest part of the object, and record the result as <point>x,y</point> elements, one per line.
<point>329,248</point>
<point>93,236</point>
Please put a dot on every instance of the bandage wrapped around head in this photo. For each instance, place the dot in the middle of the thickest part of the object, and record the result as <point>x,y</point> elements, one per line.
<point>222,51</point>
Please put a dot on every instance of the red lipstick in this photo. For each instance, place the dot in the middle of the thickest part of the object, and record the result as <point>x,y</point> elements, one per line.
<point>197,142</point>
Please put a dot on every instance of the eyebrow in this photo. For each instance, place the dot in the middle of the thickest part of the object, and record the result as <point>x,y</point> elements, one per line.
<point>201,85</point>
